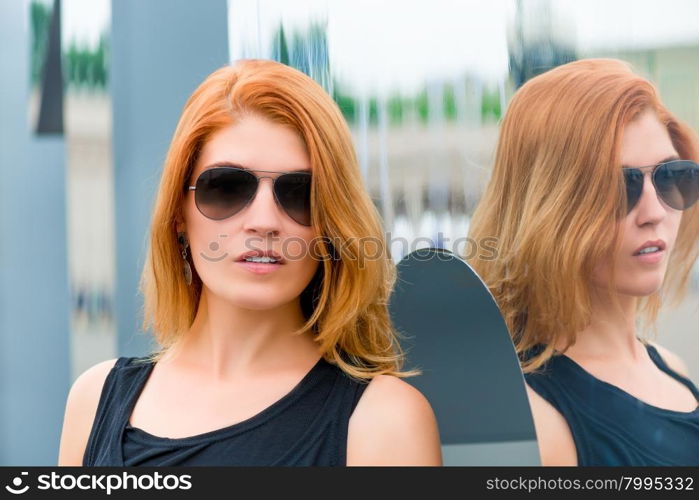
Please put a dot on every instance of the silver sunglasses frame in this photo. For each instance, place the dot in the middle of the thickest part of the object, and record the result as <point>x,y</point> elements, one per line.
<point>259,178</point>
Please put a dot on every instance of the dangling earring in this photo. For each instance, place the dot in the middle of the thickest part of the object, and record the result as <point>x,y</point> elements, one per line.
<point>186,268</point>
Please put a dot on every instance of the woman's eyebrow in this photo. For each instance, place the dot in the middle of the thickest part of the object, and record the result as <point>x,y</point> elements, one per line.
<point>669,158</point>
<point>224,164</point>
<point>242,167</point>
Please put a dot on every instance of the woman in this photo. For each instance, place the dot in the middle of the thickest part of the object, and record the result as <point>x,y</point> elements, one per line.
<point>593,201</point>
<point>276,347</point>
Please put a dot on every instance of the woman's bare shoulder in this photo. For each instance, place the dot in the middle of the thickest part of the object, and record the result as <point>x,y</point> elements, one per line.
<point>88,386</point>
<point>672,360</point>
<point>553,435</point>
<point>393,424</point>
<point>81,407</point>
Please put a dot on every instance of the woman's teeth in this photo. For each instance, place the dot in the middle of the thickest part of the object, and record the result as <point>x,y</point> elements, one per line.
<point>649,250</point>
<point>266,260</point>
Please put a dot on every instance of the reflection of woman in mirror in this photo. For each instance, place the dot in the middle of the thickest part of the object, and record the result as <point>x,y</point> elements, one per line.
<point>593,200</point>
<point>275,345</point>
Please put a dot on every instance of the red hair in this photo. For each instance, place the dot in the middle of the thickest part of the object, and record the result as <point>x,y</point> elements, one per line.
<point>556,193</point>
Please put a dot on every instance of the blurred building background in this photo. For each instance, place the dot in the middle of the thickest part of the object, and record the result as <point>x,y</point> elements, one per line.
<point>422,87</point>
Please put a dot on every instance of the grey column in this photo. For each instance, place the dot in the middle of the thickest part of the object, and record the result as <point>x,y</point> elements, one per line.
<point>161,50</point>
<point>34,292</point>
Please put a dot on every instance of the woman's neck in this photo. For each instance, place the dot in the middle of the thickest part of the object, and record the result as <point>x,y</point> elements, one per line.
<point>225,340</point>
<point>611,332</point>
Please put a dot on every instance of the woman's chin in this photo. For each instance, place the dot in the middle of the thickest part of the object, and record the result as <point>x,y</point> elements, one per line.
<point>257,304</point>
<point>645,289</point>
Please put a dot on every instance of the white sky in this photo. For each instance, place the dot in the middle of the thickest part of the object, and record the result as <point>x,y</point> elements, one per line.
<point>381,45</point>
<point>633,23</point>
<point>84,20</point>
<point>394,44</point>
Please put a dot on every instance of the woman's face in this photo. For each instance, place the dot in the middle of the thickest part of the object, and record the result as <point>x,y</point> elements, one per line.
<point>216,246</point>
<point>645,142</point>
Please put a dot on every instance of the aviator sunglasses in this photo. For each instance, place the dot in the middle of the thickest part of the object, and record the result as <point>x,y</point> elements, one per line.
<point>676,183</point>
<point>221,192</point>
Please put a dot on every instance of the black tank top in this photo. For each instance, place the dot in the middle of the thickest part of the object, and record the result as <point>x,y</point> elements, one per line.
<point>307,426</point>
<point>612,427</point>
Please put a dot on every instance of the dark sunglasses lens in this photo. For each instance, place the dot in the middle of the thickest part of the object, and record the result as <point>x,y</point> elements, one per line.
<point>633,178</point>
<point>293,192</point>
<point>677,183</point>
<point>222,192</point>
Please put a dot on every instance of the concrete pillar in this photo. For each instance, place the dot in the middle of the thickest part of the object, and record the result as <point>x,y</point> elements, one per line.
<point>34,292</point>
<point>161,50</point>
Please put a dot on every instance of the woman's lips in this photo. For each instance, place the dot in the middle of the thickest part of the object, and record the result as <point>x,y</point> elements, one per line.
<point>650,258</point>
<point>259,267</point>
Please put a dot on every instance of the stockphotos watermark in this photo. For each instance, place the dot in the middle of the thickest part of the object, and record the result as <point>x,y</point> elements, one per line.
<point>100,482</point>
<point>360,248</point>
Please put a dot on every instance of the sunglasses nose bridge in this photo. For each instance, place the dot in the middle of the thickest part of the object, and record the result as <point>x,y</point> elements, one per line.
<point>648,173</point>
<point>651,204</point>
<point>272,184</point>
<point>260,177</point>
<point>255,196</point>
<point>272,180</point>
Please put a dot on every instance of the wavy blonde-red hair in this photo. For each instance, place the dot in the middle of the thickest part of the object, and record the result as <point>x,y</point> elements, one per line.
<point>556,194</point>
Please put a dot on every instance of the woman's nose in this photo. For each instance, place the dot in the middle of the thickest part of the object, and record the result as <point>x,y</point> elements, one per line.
<point>262,214</point>
<point>650,209</point>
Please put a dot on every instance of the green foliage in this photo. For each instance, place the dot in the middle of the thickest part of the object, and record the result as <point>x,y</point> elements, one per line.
<point>85,67</point>
<point>449,102</point>
<point>40,19</point>
<point>490,105</point>
<point>422,106</point>
<point>82,66</point>
<point>346,103</point>
<point>280,49</point>
<point>373,111</point>
<point>396,109</point>
<point>398,106</point>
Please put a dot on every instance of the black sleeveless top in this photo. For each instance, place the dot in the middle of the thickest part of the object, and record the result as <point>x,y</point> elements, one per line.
<point>612,427</point>
<point>307,426</point>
